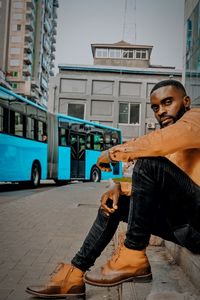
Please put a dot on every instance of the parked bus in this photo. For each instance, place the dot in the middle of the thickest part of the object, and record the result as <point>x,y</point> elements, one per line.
<point>36,144</point>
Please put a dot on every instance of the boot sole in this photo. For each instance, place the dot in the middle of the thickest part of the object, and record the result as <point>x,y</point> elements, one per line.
<point>57,296</point>
<point>138,279</point>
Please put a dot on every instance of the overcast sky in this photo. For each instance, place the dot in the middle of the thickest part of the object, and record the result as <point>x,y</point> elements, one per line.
<point>159,23</point>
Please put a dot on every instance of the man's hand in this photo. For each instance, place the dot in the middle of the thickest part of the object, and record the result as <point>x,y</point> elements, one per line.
<point>103,162</point>
<point>109,200</point>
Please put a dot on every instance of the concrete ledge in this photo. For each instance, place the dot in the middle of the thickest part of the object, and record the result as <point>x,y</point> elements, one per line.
<point>189,262</point>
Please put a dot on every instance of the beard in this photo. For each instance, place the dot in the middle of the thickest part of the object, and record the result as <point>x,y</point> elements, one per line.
<point>175,118</point>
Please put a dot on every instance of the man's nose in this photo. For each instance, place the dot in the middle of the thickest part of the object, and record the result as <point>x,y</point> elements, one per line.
<point>162,110</point>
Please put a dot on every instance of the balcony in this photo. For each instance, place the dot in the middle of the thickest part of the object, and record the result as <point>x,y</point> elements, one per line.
<point>30,4</point>
<point>30,14</point>
<point>55,3</point>
<point>34,84</point>
<point>47,25</point>
<point>55,14</point>
<point>28,58</point>
<point>53,39</point>
<point>51,73</point>
<point>28,47</point>
<point>28,36</point>
<point>29,25</point>
<point>54,22</point>
<point>44,82</point>
<point>48,7</point>
<point>47,45</point>
<point>27,70</point>
<point>53,48</point>
<point>53,56</point>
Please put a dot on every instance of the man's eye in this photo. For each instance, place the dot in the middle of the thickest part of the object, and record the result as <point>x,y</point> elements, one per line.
<point>168,102</point>
<point>155,108</point>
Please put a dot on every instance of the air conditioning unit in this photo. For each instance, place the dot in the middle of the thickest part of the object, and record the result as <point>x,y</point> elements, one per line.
<point>151,125</point>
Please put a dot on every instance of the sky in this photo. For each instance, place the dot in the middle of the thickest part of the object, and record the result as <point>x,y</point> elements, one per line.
<point>159,23</point>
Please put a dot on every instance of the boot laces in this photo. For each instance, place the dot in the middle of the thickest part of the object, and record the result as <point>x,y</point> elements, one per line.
<point>57,269</point>
<point>117,251</point>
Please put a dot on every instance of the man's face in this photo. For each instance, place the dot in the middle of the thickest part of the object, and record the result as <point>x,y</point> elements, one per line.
<point>169,104</point>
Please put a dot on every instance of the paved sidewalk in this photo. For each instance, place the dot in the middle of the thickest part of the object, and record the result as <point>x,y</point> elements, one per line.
<point>40,230</point>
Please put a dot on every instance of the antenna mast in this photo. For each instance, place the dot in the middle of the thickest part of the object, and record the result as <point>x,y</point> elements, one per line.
<point>129,24</point>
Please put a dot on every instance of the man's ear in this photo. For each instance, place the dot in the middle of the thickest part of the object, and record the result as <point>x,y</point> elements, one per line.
<point>187,102</point>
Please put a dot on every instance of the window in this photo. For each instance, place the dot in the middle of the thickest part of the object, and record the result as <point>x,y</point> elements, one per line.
<point>98,143</point>
<point>3,119</point>
<point>14,50</point>
<point>76,110</point>
<point>14,62</point>
<point>41,130</point>
<point>18,16</point>
<point>18,4</point>
<point>19,121</point>
<point>30,126</point>
<point>115,53</point>
<point>127,54</point>
<point>14,85</point>
<point>19,27</point>
<point>14,74</point>
<point>141,54</point>
<point>16,39</point>
<point>102,52</point>
<point>63,136</point>
<point>129,113</point>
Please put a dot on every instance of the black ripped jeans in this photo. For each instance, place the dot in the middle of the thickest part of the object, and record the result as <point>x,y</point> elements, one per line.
<point>165,202</point>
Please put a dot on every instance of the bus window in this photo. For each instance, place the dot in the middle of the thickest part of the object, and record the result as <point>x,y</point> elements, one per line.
<point>3,119</point>
<point>30,128</point>
<point>62,137</point>
<point>88,142</point>
<point>115,139</point>
<point>82,145</point>
<point>98,141</point>
<point>107,141</point>
<point>19,124</point>
<point>41,130</point>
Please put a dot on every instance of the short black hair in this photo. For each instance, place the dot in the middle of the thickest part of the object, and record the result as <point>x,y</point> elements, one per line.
<point>169,82</point>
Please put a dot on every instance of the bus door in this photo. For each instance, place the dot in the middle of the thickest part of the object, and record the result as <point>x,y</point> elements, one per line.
<point>77,142</point>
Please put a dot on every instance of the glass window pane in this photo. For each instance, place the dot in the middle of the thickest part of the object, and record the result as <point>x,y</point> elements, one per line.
<point>76,110</point>
<point>134,113</point>
<point>40,131</point>
<point>30,128</point>
<point>18,124</point>
<point>123,113</point>
<point>1,118</point>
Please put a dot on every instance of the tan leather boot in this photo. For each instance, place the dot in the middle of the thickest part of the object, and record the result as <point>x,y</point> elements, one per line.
<point>66,280</point>
<point>125,265</point>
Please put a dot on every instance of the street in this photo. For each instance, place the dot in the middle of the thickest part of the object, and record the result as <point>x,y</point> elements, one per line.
<point>42,227</point>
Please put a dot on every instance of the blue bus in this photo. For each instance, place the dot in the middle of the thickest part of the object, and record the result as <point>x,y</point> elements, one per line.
<point>36,144</point>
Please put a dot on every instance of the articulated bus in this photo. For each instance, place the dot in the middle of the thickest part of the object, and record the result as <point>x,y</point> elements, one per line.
<point>36,144</point>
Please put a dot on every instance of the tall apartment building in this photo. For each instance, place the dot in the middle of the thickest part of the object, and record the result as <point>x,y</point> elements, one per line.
<point>114,91</point>
<point>192,47</point>
<point>27,33</point>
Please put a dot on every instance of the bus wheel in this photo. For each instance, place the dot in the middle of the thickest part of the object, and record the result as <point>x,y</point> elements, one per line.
<point>35,175</point>
<point>95,174</point>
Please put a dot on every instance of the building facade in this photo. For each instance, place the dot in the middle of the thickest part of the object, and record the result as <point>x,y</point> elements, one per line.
<point>113,92</point>
<point>192,50</point>
<point>27,32</point>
